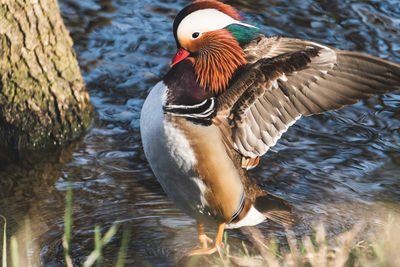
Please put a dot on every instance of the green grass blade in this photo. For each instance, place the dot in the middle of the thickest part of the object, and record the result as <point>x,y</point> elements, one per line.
<point>4,261</point>
<point>28,238</point>
<point>95,254</point>
<point>97,244</point>
<point>91,259</point>
<point>246,252</point>
<point>68,225</point>
<point>14,252</point>
<point>124,247</point>
<point>110,233</point>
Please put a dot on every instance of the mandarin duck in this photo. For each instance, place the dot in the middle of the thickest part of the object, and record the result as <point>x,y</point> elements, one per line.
<point>229,95</point>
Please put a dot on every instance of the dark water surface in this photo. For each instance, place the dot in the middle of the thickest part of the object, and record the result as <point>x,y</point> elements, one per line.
<point>339,167</point>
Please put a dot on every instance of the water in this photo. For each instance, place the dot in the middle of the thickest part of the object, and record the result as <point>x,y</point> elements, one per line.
<point>339,167</point>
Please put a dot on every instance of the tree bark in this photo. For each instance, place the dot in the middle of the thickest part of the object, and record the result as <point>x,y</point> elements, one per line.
<point>43,101</point>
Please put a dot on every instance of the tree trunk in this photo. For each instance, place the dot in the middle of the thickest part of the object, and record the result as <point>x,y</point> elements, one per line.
<point>43,102</point>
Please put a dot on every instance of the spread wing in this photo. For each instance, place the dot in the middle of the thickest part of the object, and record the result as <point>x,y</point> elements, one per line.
<point>294,78</point>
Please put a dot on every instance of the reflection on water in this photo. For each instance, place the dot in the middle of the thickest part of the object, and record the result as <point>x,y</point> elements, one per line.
<point>339,167</point>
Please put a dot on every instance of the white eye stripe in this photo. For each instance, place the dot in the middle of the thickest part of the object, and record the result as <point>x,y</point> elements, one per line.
<point>204,20</point>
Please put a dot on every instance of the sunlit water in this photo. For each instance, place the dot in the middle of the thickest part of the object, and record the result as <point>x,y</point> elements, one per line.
<point>339,167</point>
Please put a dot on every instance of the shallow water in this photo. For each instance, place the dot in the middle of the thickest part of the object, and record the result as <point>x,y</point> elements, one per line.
<point>339,167</point>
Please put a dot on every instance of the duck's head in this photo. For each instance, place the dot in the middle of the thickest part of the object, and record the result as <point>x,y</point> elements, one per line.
<point>210,34</point>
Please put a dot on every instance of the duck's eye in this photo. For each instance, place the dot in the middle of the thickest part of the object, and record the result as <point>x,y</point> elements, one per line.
<point>195,35</point>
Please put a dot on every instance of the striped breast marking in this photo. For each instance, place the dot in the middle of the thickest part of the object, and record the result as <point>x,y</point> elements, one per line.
<point>201,113</point>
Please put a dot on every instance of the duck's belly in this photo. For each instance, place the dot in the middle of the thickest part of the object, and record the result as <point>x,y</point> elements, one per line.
<point>179,167</point>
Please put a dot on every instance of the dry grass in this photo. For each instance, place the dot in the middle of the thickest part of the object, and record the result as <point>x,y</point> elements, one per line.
<point>380,247</point>
<point>360,246</point>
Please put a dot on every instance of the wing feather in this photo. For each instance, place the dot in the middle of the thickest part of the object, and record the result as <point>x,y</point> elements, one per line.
<point>288,78</point>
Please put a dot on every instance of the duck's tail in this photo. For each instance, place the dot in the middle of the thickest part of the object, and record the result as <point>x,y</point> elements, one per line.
<point>276,209</point>
<point>267,206</point>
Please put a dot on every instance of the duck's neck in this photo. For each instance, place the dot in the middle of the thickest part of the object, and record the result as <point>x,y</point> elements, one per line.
<point>183,88</point>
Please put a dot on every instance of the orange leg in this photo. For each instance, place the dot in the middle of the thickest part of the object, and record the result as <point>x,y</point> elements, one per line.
<point>214,248</point>
<point>203,238</point>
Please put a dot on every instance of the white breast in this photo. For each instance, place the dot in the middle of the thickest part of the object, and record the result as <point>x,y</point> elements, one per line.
<point>158,133</point>
<point>170,155</point>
